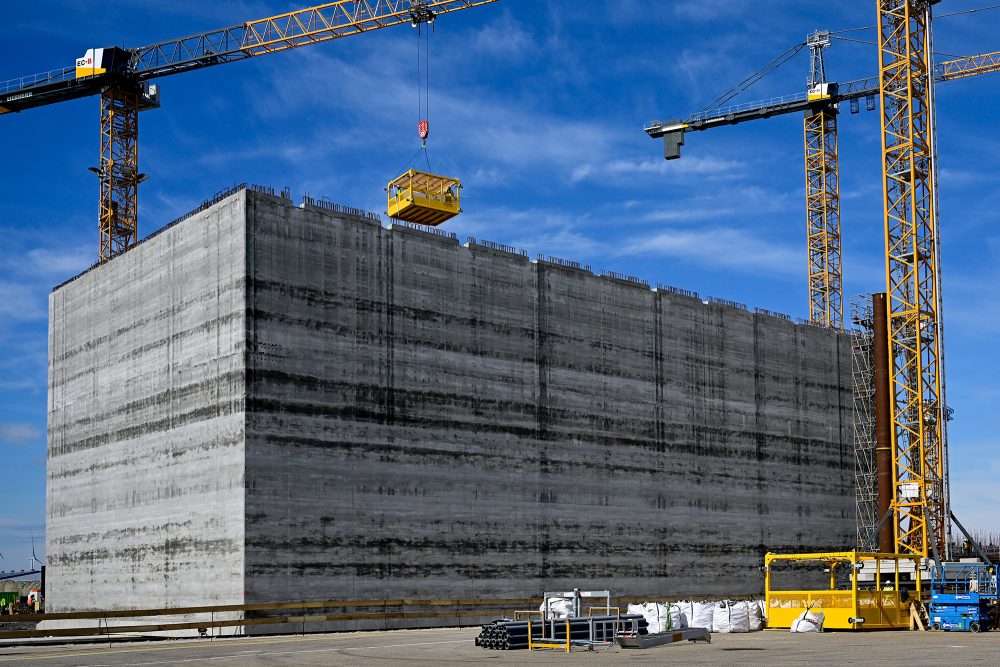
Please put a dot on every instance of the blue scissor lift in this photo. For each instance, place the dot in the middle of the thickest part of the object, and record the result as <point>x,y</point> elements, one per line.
<point>964,597</point>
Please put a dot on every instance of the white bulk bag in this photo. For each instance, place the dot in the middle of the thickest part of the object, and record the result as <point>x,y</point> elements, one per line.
<point>756,615</point>
<point>702,615</point>
<point>808,621</point>
<point>675,616</point>
<point>637,609</point>
<point>721,617</point>
<point>739,616</point>
<point>653,615</point>
<point>687,613</point>
<point>663,617</point>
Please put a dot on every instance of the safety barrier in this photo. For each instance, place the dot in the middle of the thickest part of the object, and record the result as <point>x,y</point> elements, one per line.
<point>456,612</point>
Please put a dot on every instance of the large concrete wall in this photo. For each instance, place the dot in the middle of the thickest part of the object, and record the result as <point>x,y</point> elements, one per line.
<point>145,493</point>
<point>426,419</point>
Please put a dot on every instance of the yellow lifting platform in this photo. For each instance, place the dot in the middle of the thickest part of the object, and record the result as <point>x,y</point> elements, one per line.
<point>423,198</point>
<point>877,601</point>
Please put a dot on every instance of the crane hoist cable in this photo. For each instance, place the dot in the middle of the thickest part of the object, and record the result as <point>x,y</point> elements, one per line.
<point>416,196</point>
<point>424,80</point>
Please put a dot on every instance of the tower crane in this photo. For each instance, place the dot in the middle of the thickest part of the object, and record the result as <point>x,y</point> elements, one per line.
<point>820,104</point>
<point>919,502</point>
<point>919,506</point>
<point>121,77</point>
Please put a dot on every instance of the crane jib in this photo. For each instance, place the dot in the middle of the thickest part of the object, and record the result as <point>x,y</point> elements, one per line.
<point>246,40</point>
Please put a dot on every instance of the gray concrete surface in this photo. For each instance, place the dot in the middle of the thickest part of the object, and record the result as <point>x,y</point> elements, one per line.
<point>145,469</point>
<point>450,646</point>
<point>271,402</point>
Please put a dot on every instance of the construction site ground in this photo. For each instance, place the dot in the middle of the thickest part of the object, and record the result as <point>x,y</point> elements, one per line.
<point>455,646</point>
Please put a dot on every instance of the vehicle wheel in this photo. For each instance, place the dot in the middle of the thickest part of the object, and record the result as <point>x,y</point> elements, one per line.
<point>936,626</point>
<point>974,627</point>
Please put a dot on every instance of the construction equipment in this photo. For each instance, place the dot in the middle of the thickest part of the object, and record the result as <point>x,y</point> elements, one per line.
<point>121,77</point>
<point>424,198</point>
<point>420,196</point>
<point>919,505</point>
<point>867,591</point>
<point>820,104</point>
<point>909,168</point>
<point>911,331</point>
<point>964,597</point>
<point>561,634</point>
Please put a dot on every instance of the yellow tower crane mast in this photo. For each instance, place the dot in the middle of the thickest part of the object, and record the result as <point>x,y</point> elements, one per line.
<point>121,76</point>
<point>822,194</point>
<point>909,170</point>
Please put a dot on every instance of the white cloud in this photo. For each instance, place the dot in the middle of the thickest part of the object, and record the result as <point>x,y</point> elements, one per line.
<point>725,247</point>
<point>18,434</point>
<point>708,10</point>
<point>515,133</point>
<point>21,302</point>
<point>974,491</point>
<point>689,166</point>
<point>61,262</point>
<point>504,37</point>
<point>958,177</point>
<point>729,203</point>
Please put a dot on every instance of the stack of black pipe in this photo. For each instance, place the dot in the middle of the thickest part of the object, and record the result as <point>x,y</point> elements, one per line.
<point>506,635</point>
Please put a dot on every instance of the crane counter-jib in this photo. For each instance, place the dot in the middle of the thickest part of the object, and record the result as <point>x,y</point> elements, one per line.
<point>949,70</point>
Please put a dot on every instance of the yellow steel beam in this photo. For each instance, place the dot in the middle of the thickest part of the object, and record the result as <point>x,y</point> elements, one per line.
<point>338,19</point>
<point>823,219</point>
<point>961,68</point>
<point>919,503</point>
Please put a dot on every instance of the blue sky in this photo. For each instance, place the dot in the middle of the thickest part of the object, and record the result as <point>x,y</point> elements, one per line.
<point>539,108</point>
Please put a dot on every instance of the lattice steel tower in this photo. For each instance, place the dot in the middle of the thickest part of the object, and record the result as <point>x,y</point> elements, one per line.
<point>822,195</point>
<point>919,503</point>
<point>865,467</point>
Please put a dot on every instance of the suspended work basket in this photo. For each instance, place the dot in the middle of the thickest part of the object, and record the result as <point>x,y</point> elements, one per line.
<point>423,198</point>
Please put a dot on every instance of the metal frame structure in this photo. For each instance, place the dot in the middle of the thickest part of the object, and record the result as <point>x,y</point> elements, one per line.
<point>423,198</point>
<point>119,171</point>
<point>820,104</point>
<point>865,467</point>
<point>822,196</point>
<point>120,101</point>
<point>823,219</point>
<point>858,607</point>
<point>962,68</point>
<point>919,503</point>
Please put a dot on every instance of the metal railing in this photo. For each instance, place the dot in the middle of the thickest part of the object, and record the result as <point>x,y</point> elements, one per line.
<point>639,282</point>
<point>563,262</point>
<point>677,290</point>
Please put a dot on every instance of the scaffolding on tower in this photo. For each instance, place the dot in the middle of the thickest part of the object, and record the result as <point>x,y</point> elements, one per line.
<point>865,461</point>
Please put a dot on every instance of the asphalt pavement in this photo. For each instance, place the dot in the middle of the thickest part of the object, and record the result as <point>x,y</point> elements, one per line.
<point>456,647</point>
